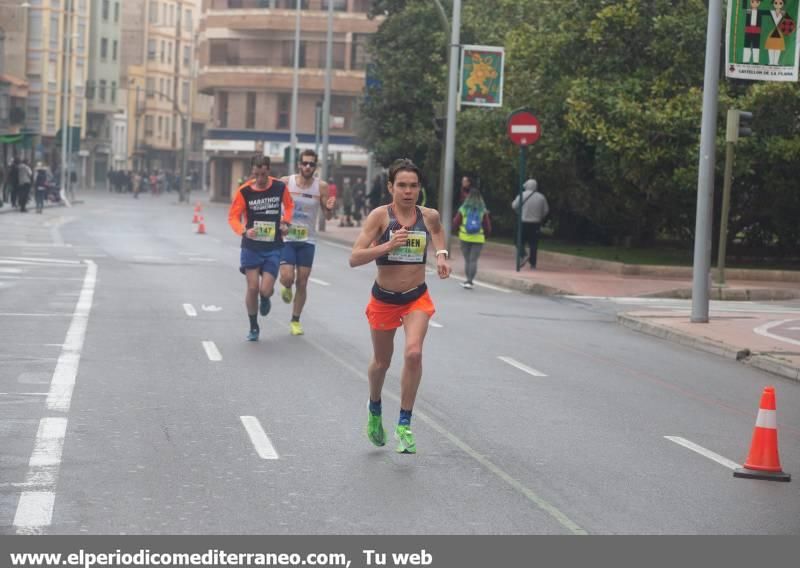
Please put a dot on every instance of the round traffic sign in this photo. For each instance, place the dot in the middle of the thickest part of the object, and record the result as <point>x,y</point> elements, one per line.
<point>523,128</point>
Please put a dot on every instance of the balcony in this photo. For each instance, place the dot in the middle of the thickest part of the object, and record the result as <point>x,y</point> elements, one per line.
<point>267,78</point>
<point>242,19</point>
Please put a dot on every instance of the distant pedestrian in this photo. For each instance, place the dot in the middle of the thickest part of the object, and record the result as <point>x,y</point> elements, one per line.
<point>473,225</point>
<point>25,176</point>
<point>40,186</point>
<point>534,212</point>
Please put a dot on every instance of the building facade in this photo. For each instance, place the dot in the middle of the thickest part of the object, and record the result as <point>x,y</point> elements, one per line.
<point>158,68</point>
<point>247,64</point>
<point>13,83</point>
<point>103,94</point>
<point>56,60</point>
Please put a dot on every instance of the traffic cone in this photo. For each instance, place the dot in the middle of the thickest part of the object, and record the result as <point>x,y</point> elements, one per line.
<point>197,209</point>
<point>763,461</point>
<point>201,227</point>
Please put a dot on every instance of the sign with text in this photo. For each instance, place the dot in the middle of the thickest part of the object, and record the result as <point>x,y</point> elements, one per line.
<point>482,75</point>
<point>761,41</point>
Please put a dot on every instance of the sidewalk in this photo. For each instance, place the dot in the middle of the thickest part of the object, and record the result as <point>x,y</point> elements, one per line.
<point>768,339</point>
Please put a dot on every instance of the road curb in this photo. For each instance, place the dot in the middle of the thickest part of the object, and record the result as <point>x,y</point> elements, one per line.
<point>731,294</point>
<point>768,363</point>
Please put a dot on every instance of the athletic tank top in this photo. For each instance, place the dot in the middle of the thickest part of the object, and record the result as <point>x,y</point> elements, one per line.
<point>415,251</point>
<point>306,209</point>
<point>263,213</point>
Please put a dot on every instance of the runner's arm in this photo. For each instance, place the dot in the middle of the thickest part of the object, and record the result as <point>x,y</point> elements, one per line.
<point>235,214</point>
<point>363,251</point>
<point>288,207</point>
<point>434,224</point>
<point>327,208</point>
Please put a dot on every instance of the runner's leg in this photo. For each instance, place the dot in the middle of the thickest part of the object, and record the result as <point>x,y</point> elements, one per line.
<point>382,350</point>
<point>301,290</point>
<point>415,325</point>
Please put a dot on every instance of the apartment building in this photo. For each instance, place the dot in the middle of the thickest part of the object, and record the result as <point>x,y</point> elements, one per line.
<point>13,83</point>
<point>158,65</point>
<point>246,63</point>
<point>57,43</point>
<point>103,94</point>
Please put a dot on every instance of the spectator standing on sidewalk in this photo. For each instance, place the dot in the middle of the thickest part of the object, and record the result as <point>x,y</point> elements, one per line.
<point>25,176</point>
<point>473,225</point>
<point>40,186</point>
<point>534,212</point>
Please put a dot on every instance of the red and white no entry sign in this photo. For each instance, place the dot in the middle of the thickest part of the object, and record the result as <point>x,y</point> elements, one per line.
<point>523,128</point>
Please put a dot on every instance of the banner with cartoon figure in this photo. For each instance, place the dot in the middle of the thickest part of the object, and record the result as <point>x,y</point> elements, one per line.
<point>762,41</point>
<point>482,75</point>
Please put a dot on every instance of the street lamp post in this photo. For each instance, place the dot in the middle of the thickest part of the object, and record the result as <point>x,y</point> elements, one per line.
<point>68,7</point>
<point>446,206</point>
<point>295,85</point>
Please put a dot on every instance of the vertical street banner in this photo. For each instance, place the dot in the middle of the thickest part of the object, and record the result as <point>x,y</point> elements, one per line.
<point>761,41</point>
<point>482,75</point>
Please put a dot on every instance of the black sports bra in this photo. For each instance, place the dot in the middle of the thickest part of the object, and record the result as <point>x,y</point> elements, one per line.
<point>415,251</point>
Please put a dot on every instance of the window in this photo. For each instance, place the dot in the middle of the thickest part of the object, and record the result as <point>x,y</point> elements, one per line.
<point>148,125</point>
<point>169,52</point>
<point>284,104</point>
<point>52,72</point>
<point>250,115</point>
<point>151,50</point>
<point>116,12</point>
<point>162,88</point>
<point>150,88</point>
<point>51,113</point>
<point>188,24</point>
<point>35,30</point>
<point>55,21</point>
<point>185,95</point>
<point>187,56</point>
<point>222,110</point>
<point>163,50</point>
<point>113,92</point>
<point>106,4</point>
<point>114,51</point>
<point>338,5</point>
<point>160,126</point>
<point>103,48</point>
<point>102,91</point>
<point>153,12</point>
<point>32,115</point>
<point>359,57</point>
<point>171,14</point>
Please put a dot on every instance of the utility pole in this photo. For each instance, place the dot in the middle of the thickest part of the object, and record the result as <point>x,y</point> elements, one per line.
<point>705,178</point>
<point>295,86</point>
<point>446,206</point>
<point>68,5</point>
<point>326,104</point>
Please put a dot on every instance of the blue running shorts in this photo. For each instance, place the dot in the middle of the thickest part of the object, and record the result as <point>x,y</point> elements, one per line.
<point>298,254</point>
<point>267,260</point>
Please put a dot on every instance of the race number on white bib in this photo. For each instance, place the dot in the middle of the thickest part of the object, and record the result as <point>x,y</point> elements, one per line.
<point>413,250</point>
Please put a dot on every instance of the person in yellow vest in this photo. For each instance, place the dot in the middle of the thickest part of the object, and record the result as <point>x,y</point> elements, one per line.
<point>473,224</point>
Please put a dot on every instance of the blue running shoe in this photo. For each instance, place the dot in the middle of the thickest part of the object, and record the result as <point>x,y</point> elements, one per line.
<point>264,306</point>
<point>253,335</point>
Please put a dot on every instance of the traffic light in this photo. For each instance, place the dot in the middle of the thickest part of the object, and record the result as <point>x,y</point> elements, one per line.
<point>738,125</point>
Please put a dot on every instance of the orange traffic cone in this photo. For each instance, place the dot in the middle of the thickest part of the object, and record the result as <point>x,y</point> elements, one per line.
<point>201,227</point>
<point>197,209</point>
<point>763,461</point>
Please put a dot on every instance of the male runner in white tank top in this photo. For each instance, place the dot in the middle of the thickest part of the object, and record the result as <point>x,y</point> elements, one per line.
<point>309,194</point>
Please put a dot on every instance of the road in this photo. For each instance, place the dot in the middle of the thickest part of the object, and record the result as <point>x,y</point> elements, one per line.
<point>131,404</point>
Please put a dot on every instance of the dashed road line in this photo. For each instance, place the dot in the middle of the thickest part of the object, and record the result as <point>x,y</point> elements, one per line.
<point>318,281</point>
<point>434,324</point>
<point>261,442</point>
<point>521,366</point>
<point>212,351</point>
<point>190,311</point>
<point>730,464</point>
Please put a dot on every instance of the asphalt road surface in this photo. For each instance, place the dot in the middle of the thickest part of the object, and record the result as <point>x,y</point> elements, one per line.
<point>130,402</point>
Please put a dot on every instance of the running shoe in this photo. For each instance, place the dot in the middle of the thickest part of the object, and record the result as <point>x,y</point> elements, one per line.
<point>375,431</point>
<point>253,335</point>
<point>405,440</point>
<point>468,285</point>
<point>286,295</point>
<point>264,306</point>
<point>295,328</point>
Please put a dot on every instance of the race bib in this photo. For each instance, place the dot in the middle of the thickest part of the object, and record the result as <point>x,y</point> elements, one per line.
<point>297,232</point>
<point>413,250</point>
<point>265,231</point>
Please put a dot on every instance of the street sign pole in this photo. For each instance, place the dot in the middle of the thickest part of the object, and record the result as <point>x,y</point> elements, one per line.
<point>520,246</point>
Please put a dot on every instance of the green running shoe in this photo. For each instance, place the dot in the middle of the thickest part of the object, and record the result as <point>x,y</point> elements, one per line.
<point>375,431</point>
<point>405,440</point>
<point>286,295</point>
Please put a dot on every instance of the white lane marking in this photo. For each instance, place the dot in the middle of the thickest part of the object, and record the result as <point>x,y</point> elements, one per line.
<point>66,370</point>
<point>23,393</point>
<point>202,259</point>
<point>11,270</point>
<point>149,259</point>
<point>39,260</point>
<point>264,448</point>
<point>212,351</point>
<point>40,264</point>
<point>94,255</point>
<point>318,281</point>
<point>764,330</point>
<point>35,277</point>
<point>190,311</point>
<point>521,367</point>
<point>34,511</point>
<point>529,494</point>
<point>794,329</point>
<point>35,508</point>
<point>28,245</point>
<point>23,315</point>
<point>211,308</point>
<point>434,324</point>
<point>483,284</point>
<point>185,253</point>
<point>703,452</point>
